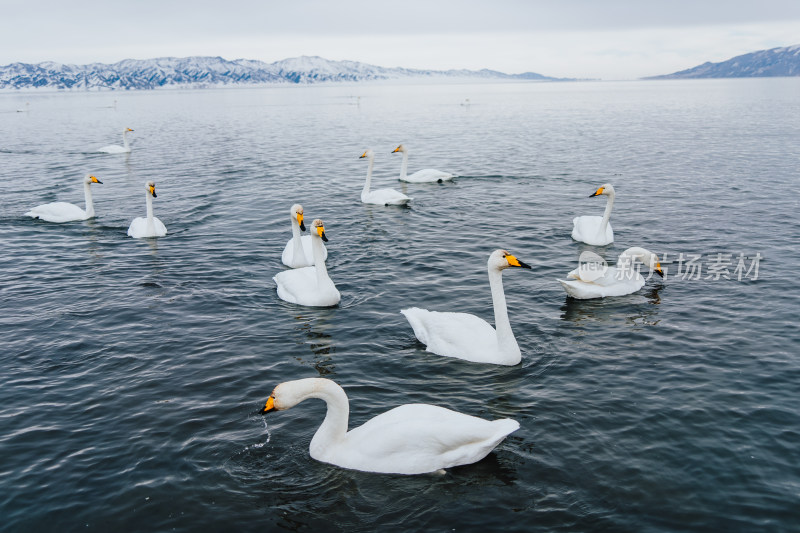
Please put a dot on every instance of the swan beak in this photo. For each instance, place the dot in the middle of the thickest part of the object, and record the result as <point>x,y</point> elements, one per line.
<point>95,180</point>
<point>658,270</point>
<point>396,150</point>
<point>514,262</point>
<point>129,129</point>
<point>300,221</point>
<point>598,192</point>
<point>153,191</point>
<point>321,233</point>
<point>363,155</point>
<point>270,405</point>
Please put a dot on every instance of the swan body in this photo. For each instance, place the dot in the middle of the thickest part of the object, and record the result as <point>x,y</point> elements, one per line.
<point>66,212</point>
<point>427,175</point>
<point>466,336</point>
<point>409,439</point>
<point>379,196</point>
<point>117,149</point>
<point>614,281</point>
<point>149,226</point>
<point>310,286</point>
<point>298,251</point>
<point>596,230</point>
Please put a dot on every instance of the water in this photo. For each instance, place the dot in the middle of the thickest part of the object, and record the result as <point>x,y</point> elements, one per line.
<point>133,369</point>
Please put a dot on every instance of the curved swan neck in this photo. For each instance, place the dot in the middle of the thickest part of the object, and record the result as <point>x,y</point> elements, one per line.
<point>87,195</point>
<point>319,259</point>
<point>607,213</point>
<point>404,165</point>
<point>505,337</point>
<point>298,254</point>
<point>334,427</point>
<point>369,176</point>
<point>125,139</point>
<point>151,227</point>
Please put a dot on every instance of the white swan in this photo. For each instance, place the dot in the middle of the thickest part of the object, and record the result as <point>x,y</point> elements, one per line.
<point>310,286</point>
<point>622,279</point>
<point>427,175</point>
<point>410,439</point>
<point>596,230</point>
<point>380,196</point>
<point>298,252</point>
<point>150,226</point>
<point>66,212</point>
<point>466,336</point>
<point>117,149</point>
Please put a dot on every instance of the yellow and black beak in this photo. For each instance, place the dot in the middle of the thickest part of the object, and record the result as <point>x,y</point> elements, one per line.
<point>396,150</point>
<point>95,180</point>
<point>269,406</point>
<point>363,155</point>
<point>300,221</point>
<point>514,262</point>
<point>129,129</point>
<point>658,270</point>
<point>153,191</point>
<point>598,192</point>
<point>321,233</point>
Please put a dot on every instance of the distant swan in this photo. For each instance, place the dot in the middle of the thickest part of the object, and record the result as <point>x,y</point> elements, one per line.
<point>151,226</point>
<point>427,175</point>
<point>117,149</point>
<point>596,230</point>
<point>310,286</point>
<point>380,196</point>
<point>298,252</point>
<point>584,284</point>
<point>410,439</point>
<point>66,212</point>
<point>466,336</point>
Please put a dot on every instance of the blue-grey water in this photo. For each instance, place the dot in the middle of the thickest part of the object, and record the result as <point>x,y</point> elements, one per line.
<point>132,370</point>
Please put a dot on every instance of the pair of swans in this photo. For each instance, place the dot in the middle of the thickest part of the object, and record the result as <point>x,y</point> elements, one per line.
<point>298,252</point>
<point>589,281</point>
<point>409,439</point>
<point>596,230</point>
<point>117,149</point>
<point>310,286</point>
<point>391,196</point>
<point>150,226</point>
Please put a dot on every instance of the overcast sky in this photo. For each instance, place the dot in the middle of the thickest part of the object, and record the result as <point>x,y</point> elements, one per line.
<point>607,39</point>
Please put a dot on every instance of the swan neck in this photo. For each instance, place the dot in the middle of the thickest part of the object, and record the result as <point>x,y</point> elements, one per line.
<point>298,254</point>
<point>334,428</point>
<point>369,176</point>
<point>87,195</point>
<point>151,227</point>
<point>125,139</point>
<point>607,213</point>
<point>505,337</point>
<point>319,259</point>
<point>404,165</point>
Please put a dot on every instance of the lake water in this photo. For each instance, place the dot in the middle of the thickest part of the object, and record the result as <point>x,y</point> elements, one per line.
<point>132,370</point>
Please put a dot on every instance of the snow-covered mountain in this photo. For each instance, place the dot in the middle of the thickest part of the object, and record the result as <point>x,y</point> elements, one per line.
<point>216,71</point>
<point>773,62</point>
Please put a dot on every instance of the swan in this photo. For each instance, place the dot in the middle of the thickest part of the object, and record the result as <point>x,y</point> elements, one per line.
<point>596,230</point>
<point>310,285</point>
<point>150,226</point>
<point>622,279</point>
<point>380,196</point>
<point>414,438</point>
<point>466,336</point>
<point>117,149</point>
<point>66,212</point>
<point>297,252</point>
<point>427,175</point>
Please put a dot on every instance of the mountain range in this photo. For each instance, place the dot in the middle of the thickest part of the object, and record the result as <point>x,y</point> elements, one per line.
<point>216,71</point>
<point>764,63</point>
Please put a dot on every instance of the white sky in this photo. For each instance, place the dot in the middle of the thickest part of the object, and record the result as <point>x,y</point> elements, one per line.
<point>607,39</point>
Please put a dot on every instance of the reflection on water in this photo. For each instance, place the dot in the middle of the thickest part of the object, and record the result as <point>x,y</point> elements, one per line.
<point>638,308</point>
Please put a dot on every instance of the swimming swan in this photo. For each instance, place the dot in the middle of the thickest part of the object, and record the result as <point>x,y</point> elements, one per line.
<point>596,230</point>
<point>622,279</point>
<point>117,149</point>
<point>414,438</point>
<point>310,286</point>
<point>298,253</point>
<point>466,336</point>
<point>427,175</point>
<point>150,226</point>
<point>66,212</point>
<point>380,196</point>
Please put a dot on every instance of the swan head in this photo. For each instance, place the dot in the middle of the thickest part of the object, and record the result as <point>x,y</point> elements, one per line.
<point>127,129</point>
<point>645,256</point>
<point>297,213</point>
<point>369,154</point>
<point>91,179</point>
<point>151,188</point>
<point>319,229</point>
<point>290,393</point>
<point>605,190</point>
<point>502,259</point>
<point>400,148</point>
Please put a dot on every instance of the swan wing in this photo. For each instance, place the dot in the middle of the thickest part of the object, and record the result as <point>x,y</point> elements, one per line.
<point>610,284</point>
<point>114,149</point>
<point>418,438</point>
<point>587,229</point>
<point>57,212</point>
<point>300,286</point>
<point>428,175</point>
<point>458,335</point>
<point>138,228</point>
<point>385,197</point>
